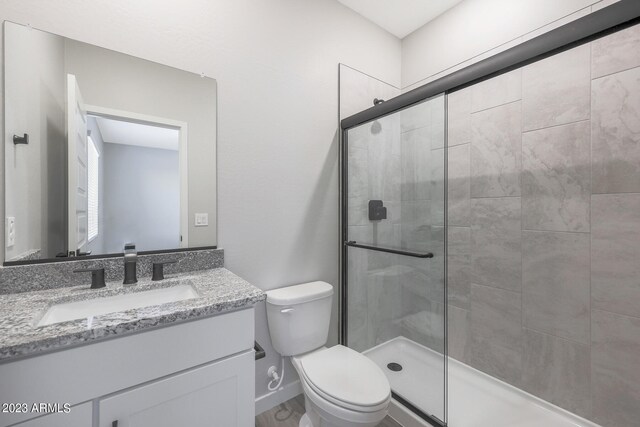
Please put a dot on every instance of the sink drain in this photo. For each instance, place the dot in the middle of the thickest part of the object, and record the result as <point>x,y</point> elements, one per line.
<point>395,367</point>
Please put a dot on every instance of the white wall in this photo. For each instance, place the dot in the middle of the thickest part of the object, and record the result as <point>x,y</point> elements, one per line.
<point>276,64</point>
<point>476,29</point>
<point>33,198</point>
<point>141,198</point>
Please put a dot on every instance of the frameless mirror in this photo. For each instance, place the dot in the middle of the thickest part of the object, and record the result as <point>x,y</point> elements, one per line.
<point>103,149</point>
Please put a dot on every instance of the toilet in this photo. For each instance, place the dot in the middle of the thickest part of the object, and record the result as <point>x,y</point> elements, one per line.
<point>342,387</point>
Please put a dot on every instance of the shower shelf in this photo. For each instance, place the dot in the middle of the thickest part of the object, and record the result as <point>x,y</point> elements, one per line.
<point>355,244</point>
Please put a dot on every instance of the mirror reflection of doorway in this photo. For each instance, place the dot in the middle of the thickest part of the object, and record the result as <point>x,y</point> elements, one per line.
<point>135,186</point>
<point>124,181</point>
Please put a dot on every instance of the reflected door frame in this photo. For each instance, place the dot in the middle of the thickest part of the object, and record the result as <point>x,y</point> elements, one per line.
<point>112,113</point>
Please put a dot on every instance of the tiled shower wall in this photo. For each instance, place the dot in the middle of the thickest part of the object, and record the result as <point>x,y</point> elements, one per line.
<point>544,236</point>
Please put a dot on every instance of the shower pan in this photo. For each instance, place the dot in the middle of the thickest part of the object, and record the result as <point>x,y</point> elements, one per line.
<point>478,212</point>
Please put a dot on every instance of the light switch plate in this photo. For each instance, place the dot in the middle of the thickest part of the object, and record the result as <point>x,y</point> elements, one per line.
<point>11,231</point>
<point>202,220</point>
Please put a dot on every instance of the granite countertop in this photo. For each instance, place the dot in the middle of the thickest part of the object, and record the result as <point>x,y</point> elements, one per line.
<point>218,289</point>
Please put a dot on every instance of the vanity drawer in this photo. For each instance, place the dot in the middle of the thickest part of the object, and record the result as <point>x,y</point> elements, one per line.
<point>218,394</point>
<point>91,371</point>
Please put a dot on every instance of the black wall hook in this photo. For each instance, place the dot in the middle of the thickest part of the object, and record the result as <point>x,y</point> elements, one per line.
<point>21,139</point>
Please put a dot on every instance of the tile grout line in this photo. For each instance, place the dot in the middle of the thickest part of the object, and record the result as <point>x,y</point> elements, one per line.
<point>573,122</point>
<point>496,106</point>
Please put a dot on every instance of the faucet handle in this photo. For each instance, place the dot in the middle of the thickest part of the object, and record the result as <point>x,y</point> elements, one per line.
<point>158,269</point>
<point>97,276</point>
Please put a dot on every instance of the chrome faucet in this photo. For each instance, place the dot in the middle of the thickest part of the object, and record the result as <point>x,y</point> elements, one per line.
<point>130,264</point>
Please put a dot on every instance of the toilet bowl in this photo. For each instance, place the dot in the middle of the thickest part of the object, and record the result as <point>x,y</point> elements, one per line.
<point>342,387</point>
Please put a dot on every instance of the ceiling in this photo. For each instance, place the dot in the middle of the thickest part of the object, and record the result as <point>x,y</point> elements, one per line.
<point>400,17</point>
<point>141,135</point>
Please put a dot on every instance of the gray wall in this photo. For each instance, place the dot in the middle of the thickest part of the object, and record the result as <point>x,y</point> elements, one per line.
<point>141,198</point>
<point>277,98</point>
<point>544,203</point>
<point>33,197</point>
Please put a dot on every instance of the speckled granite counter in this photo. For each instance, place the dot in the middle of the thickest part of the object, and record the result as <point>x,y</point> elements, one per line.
<point>218,290</point>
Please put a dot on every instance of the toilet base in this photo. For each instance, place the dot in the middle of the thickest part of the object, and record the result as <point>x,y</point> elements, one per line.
<point>305,421</point>
<point>313,418</point>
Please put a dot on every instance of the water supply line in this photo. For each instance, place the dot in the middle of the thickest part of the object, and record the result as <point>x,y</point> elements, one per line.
<point>273,374</point>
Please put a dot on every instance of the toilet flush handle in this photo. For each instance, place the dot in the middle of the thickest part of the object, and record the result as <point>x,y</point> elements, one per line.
<point>286,310</point>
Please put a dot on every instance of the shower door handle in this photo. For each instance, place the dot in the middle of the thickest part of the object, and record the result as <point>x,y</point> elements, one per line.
<point>355,244</point>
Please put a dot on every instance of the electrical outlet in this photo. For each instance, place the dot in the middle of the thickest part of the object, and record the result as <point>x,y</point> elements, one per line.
<point>202,220</point>
<point>11,231</point>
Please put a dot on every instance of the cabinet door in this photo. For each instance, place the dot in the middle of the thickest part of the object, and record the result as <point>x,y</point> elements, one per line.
<point>79,416</point>
<point>220,394</point>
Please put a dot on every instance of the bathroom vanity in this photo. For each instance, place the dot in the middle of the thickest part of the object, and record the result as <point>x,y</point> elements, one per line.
<point>111,154</point>
<point>187,361</point>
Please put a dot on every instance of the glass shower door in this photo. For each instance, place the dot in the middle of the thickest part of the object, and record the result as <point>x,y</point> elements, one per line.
<point>394,307</point>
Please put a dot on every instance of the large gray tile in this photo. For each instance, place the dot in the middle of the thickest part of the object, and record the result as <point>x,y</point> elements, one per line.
<point>556,178</point>
<point>358,173</point>
<point>437,262</point>
<point>384,174</point>
<point>416,225</point>
<point>438,121</point>
<point>615,376</point>
<point>496,332</point>
<point>496,243</point>
<point>384,302</point>
<point>458,333</point>
<point>616,52</point>
<point>459,188</point>
<point>558,371</point>
<point>436,169</point>
<point>357,270</point>
<point>615,253</point>
<point>415,117</point>
<point>459,267</point>
<point>416,161</point>
<point>417,280</point>
<point>423,322</point>
<point>615,130</point>
<point>496,151</point>
<point>359,137</point>
<point>357,211</point>
<point>496,91</point>
<point>555,90</point>
<point>555,283</point>
<point>459,117</point>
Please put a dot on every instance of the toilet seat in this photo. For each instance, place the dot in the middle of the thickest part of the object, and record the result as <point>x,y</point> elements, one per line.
<point>345,378</point>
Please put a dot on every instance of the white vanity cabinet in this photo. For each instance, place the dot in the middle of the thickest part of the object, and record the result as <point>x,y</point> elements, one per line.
<point>198,373</point>
<point>213,395</point>
<point>80,416</point>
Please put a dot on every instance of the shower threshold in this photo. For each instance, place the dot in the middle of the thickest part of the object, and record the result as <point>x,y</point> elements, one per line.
<point>475,398</point>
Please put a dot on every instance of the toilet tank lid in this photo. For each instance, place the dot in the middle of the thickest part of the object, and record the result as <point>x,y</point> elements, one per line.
<point>299,294</point>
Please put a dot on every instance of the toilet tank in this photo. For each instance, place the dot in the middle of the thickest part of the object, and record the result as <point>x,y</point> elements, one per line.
<point>299,317</point>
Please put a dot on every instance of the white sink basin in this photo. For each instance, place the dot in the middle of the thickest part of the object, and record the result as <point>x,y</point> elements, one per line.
<point>95,307</point>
